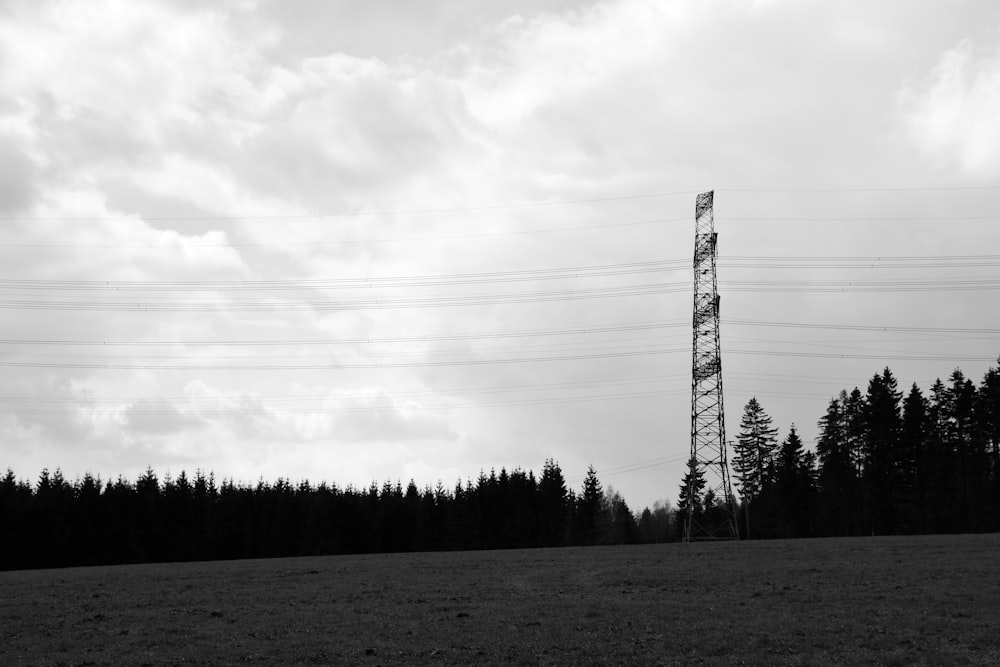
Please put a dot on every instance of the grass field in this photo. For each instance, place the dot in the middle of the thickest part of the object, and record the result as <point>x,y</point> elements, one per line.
<point>893,601</point>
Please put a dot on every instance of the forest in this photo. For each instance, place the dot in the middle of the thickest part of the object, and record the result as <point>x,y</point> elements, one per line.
<point>884,463</point>
<point>57,523</point>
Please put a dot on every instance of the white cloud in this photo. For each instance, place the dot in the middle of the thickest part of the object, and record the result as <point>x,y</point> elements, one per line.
<point>952,115</point>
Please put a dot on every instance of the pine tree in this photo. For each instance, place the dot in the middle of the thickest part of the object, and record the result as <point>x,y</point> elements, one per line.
<point>854,428</point>
<point>591,511</point>
<point>941,488</point>
<point>836,470</point>
<point>972,452</point>
<point>911,472</point>
<point>960,443</point>
<point>692,491</point>
<point>988,411</point>
<point>753,460</point>
<point>793,486</point>
<point>554,506</point>
<point>883,424</point>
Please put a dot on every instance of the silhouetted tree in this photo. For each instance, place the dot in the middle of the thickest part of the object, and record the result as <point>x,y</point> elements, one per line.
<point>912,475</point>
<point>691,495</point>
<point>621,527</point>
<point>988,411</point>
<point>753,462</point>
<point>592,514</point>
<point>553,506</point>
<point>793,487</point>
<point>837,474</point>
<point>881,452</point>
<point>657,524</point>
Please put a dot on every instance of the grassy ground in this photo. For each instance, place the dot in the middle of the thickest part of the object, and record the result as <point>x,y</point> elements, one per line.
<point>891,601</point>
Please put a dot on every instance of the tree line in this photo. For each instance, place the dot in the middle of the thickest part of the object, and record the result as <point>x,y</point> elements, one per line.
<point>884,463</point>
<point>55,522</point>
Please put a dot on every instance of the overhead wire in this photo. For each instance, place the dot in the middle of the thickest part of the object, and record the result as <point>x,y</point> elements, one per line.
<point>150,305</point>
<point>327,393</point>
<point>640,326</point>
<point>503,205</point>
<point>339,365</point>
<point>350,214</point>
<point>555,273</point>
<point>363,282</point>
<point>333,410</point>
<point>341,242</point>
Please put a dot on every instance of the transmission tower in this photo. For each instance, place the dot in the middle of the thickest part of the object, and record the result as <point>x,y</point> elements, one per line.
<point>708,427</point>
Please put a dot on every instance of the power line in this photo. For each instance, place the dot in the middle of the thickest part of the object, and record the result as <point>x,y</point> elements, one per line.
<point>867,218</point>
<point>883,286</point>
<point>859,327</point>
<point>633,467</point>
<point>556,273</point>
<point>488,207</point>
<point>846,262</point>
<point>883,357</point>
<point>339,366</point>
<point>364,282</point>
<point>149,305</point>
<point>565,346</point>
<point>343,214</point>
<point>490,335</point>
<point>640,326</point>
<point>487,335</point>
<point>918,188</point>
<point>856,258</point>
<point>440,237</point>
<point>444,391</point>
<point>376,408</point>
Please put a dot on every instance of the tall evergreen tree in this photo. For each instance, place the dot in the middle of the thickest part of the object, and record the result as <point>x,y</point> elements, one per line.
<point>592,513</point>
<point>988,411</point>
<point>911,473</point>
<point>793,487</point>
<point>691,495</point>
<point>553,505</point>
<point>941,482</point>
<point>854,428</point>
<point>753,460</point>
<point>883,424</point>
<point>967,441</point>
<point>837,472</point>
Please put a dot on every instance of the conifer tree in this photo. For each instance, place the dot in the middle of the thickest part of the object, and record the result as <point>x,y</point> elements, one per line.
<point>753,462</point>
<point>961,443</point>
<point>591,510</point>
<point>554,505</point>
<point>854,428</point>
<point>837,474</point>
<point>689,502</point>
<point>793,486</point>
<point>988,409</point>
<point>883,424</point>
<point>911,473</point>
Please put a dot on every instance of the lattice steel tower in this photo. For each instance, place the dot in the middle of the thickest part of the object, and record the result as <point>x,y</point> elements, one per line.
<point>708,427</point>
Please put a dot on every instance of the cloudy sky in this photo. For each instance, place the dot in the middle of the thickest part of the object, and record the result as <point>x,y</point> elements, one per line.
<point>360,241</point>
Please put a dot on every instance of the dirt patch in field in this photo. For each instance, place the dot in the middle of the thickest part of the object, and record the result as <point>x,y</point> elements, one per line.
<point>887,601</point>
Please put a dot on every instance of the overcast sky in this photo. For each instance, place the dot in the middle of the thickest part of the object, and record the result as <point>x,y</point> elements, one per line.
<point>360,241</point>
